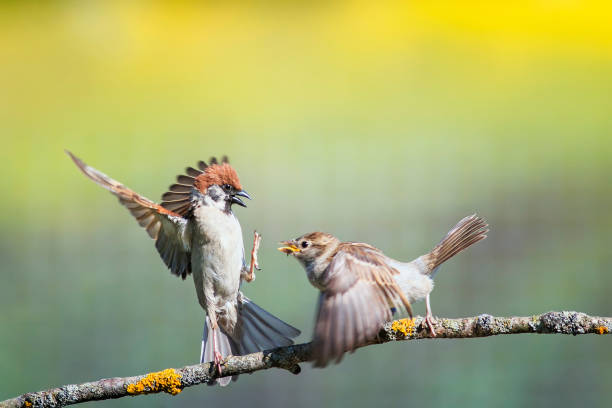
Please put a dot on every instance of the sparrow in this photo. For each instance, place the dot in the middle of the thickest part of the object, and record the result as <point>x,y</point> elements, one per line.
<point>361,287</point>
<point>196,233</point>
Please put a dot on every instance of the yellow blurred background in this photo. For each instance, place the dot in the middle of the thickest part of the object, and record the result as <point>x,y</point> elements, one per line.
<point>382,122</point>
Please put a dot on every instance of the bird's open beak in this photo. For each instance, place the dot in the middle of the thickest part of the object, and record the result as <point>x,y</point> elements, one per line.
<point>236,200</point>
<point>288,248</point>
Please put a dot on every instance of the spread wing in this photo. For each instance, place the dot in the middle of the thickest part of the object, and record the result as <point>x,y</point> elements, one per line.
<point>357,302</point>
<point>178,197</point>
<point>167,228</point>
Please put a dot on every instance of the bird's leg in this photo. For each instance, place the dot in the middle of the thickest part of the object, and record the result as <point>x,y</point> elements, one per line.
<point>218,357</point>
<point>429,319</point>
<point>254,265</point>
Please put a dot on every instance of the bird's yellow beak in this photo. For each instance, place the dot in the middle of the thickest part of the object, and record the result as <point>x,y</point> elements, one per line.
<point>288,248</point>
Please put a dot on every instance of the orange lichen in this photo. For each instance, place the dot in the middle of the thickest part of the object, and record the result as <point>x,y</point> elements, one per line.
<point>27,404</point>
<point>404,326</point>
<point>602,330</point>
<point>167,381</point>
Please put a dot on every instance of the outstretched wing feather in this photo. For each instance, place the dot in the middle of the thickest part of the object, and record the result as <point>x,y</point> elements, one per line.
<point>167,228</point>
<point>360,292</point>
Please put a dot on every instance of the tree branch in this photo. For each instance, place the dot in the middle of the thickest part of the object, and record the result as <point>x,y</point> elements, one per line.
<point>172,381</point>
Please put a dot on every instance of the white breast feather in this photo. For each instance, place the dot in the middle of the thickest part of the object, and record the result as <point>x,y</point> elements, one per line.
<point>219,257</point>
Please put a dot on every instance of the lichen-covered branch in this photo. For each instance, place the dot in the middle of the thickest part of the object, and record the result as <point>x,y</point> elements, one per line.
<point>172,381</point>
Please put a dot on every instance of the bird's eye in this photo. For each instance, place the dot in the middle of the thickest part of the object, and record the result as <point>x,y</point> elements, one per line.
<point>304,244</point>
<point>227,187</point>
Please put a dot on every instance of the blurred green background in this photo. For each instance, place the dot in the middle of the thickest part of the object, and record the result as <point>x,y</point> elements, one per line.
<point>383,123</point>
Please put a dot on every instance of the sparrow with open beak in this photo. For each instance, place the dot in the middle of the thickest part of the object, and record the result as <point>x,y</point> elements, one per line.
<point>196,232</point>
<point>361,287</point>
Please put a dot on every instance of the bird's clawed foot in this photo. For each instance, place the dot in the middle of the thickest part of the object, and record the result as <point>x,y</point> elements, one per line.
<point>254,264</point>
<point>218,361</point>
<point>256,241</point>
<point>429,319</point>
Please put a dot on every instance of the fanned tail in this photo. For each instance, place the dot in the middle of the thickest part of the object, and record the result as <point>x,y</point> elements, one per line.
<point>259,330</point>
<point>467,232</point>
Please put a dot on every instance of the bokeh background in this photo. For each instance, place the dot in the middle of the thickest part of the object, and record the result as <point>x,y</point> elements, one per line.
<point>385,123</point>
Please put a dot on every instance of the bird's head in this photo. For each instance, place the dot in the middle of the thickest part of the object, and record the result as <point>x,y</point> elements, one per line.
<point>314,250</point>
<point>220,186</point>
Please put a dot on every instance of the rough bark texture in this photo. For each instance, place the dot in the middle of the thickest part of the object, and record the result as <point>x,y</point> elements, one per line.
<point>173,381</point>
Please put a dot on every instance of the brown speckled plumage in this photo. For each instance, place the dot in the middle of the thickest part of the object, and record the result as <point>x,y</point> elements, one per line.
<point>361,287</point>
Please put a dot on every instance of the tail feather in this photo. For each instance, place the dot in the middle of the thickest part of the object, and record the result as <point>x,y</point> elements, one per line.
<point>254,337</point>
<point>272,331</point>
<point>255,330</point>
<point>247,343</point>
<point>467,232</point>
<point>262,328</point>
